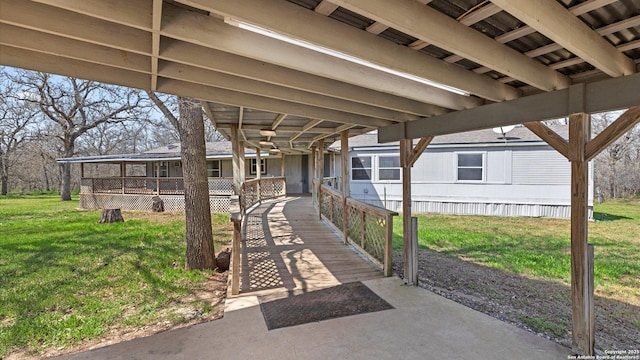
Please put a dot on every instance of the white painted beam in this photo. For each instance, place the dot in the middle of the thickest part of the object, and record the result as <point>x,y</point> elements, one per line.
<point>229,97</point>
<point>434,27</point>
<point>558,24</point>
<point>293,21</point>
<point>230,82</point>
<point>606,95</point>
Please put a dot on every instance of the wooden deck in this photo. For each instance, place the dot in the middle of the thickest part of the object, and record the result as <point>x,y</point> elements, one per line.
<point>287,248</point>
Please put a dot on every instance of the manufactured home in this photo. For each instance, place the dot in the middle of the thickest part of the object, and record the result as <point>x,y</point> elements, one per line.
<point>478,172</point>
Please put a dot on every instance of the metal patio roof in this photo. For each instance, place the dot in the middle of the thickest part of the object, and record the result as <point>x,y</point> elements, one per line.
<point>496,51</point>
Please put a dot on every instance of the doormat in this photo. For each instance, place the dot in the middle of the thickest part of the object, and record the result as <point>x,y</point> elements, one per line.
<point>338,301</point>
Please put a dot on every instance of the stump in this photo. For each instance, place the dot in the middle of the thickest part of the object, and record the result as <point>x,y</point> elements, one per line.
<point>158,204</point>
<point>111,216</point>
<point>223,260</point>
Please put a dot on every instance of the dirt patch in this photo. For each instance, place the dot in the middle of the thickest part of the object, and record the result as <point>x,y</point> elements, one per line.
<point>213,292</point>
<point>539,306</point>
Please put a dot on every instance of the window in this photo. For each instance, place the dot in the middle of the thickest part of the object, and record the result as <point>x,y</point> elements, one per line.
<point>263,166</point>
<point>361,168</point>
<point>164,169</point>
<point>470,167</point>
<point>389,168</point>
<point>213,168</point>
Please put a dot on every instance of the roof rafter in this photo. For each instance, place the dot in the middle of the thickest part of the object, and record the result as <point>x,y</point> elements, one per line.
<point>290,20</point>
<point>558,24</point>
<point>434,27</point>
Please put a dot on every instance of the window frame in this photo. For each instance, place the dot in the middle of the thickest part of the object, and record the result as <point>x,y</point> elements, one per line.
<point>252,166</point>
<point>399,168</point>
<point>483,167</point>
<point>371,168</point>
<point>210,170</point>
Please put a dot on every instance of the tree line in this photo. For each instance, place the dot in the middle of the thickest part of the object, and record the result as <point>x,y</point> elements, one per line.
<point>44,117</point>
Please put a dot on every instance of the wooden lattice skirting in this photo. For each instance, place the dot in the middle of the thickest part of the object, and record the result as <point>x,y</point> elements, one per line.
<point>219,204</point>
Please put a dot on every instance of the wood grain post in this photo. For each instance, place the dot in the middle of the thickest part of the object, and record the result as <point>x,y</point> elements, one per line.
<point>388,247</point>
<point>344,168</point>
<point>235,148</point>
<point>258,173</point>
<point>581,267</point>
<point>410,277</point>
<point>236,218</point>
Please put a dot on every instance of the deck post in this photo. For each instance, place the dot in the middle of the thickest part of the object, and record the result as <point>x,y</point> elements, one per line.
<point>238,160</point>
<point>409,249</point>
<point>344,168</point>
<point>282,165</point>
<point>258,172</point>
<point>320,167</point>
<point>388,248</point>
<point>122,174</point>
<point>581,267</point>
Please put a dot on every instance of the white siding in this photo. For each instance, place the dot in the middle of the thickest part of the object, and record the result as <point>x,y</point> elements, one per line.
<point>535,166</point>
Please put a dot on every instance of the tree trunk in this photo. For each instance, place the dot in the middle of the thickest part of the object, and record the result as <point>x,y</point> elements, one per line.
<point>111,216</point>
<point>5,186</point>
<point>200,252</point>
<point>65,183</point>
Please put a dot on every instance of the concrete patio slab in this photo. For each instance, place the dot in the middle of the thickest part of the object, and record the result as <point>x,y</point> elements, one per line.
<point>423,325</point>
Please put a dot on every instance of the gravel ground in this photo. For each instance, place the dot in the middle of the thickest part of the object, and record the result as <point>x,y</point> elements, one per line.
<point>537,305</point>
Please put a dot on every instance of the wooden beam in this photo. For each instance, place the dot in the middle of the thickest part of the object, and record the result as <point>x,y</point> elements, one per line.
<point>240,84</point>
<point>298,23</point>
<point>581,291</point>
<point>155,41</point>
<point>600,96</point>
<point>306,127</point>
<point>345,181</point>
<point>237,160</point>
<point>278,121</point>
<point>320,159</point>
<point>409,249</point>
<point>420,147</point>
<point>434,27</point>
<point>557,23</point>
<point>256,102</point>
<point>618,128</point>
<point>549,136</point>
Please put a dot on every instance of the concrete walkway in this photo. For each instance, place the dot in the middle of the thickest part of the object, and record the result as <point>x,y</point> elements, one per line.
<point>422,326</point>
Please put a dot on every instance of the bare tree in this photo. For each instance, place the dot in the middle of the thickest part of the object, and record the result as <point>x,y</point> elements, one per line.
<point>617,168</point>
<point>190,126</point>
<point>76,107</point>
<point>15,119</point>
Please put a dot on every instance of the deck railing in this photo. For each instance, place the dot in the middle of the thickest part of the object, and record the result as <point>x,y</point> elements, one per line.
<point>150,185</point>
<point>255,190</point>
<point>367,227</point>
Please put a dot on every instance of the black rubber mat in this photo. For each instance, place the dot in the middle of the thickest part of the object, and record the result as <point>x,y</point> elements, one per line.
<point>338,301</point>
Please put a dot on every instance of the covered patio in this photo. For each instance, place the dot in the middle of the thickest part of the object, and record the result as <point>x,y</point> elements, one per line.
<point>292,76</point>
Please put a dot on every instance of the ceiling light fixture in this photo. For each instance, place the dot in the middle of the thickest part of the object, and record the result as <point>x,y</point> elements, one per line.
<point>267,132</point>
<point>340,55</point>
<point>266,143</point>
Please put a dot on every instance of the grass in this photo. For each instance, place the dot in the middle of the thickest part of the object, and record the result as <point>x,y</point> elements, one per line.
<point>541,247</point>
<point>65,279</point>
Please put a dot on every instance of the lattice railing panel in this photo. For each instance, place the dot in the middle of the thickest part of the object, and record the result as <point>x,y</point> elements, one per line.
<point>139,185</point>
<point>220,186</point>
<point>354,224</point>
<point>374,235</point>
<point>86,186</point>
<point>171,186</point>
<point>218,204</point>
<point>107,185</point>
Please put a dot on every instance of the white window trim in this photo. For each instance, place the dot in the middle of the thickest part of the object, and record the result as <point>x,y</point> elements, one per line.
<point>252,166</point>
<point>351,168</point>
<point>375,168</point>
<point>484,167</point>
<point>377,165</point>
<point>219,167</point>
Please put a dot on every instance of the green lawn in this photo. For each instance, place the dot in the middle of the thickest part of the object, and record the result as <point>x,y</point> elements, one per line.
<point>541,247</point>
<point>64,278</point>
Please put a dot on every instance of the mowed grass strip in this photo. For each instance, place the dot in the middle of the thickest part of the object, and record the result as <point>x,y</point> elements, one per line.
<point>541,247</point>
<point>65,278</point>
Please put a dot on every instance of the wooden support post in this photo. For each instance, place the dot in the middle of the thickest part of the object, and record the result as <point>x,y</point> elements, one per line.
<point>157,178</point>
<point>344,167</point>
<point>282,165</point>
<point>82,170</point>
<point>122,175</point>
<point>236,219</point>
<point>410,277</point>
<point>332,164</point>
<point>258,173</point>
<point>388,248</point>
<point>235,148</point>
<point>581,266</point>
<point>320,167</point>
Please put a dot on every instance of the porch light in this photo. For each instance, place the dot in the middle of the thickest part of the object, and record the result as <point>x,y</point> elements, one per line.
<point>274,150</point>
<point>274,35</point>
<point>266,143</point>
<point>268,132</point>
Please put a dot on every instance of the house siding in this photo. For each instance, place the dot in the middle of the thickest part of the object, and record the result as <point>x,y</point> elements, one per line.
<point>517,181</point>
